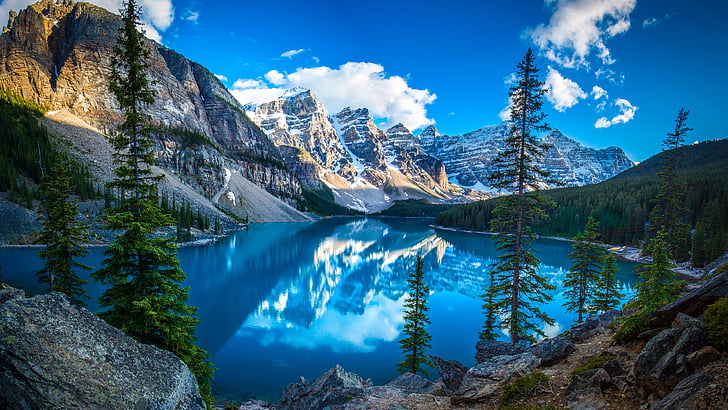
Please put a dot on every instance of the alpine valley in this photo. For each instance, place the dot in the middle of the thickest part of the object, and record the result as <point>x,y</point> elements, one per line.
<point>255,161</point>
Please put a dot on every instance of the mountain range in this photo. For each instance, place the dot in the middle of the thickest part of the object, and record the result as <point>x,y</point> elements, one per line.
<point>367,168</point>
<point>254,161</point>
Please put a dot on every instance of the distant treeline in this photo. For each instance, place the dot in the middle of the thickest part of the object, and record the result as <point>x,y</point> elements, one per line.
<point>622,204</point>
<point>27,153</point>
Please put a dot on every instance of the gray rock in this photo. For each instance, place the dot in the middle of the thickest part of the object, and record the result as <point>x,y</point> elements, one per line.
<point>593,325</point>
<point>412,383</point>
<point>335,387</point>
<point>581,381</point>
<point>662,362</point>
<point>486,378</point>
<point>684,321</point>
<point>613,368</point>
<point>586,399</point>
<point>451,372</point>
<point>8,293</point>
<point>552,351</point>
<point>57,355</point>
<point>707,389</point>
<point>649,334</point>
<point>255,405</point>
<point>486,349</point>
<point>600,379</point>
<point>701,357</point>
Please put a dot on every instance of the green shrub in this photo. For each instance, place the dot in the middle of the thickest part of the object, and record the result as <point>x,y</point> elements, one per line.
<point>527,385</point>
<point>631,326</point>
<point>593,363</point>
<point>716,323</point>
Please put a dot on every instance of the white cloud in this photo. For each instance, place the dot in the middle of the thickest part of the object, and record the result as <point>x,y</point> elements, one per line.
<point>221,77</point>
<point>505,113</point>
<point>157,15</point>
<point>275,77</point>
<point>626,114</point>
<point>191,15</point>
<point>357,85</point>
<point>599,92</point>
<point>579,27</point>
<point>563,92</point>
<point>291,53</point>
<point>652,21</point>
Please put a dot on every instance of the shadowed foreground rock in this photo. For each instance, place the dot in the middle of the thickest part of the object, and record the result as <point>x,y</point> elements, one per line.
<point>56,355</point>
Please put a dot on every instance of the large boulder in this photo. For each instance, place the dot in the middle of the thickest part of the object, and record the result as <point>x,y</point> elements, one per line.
<point>54,354</point>
<point>707,389</point>
<point>451,372</point>
<point>552,351</point>
<point>412,383</point>
<point>483,380</point>
<point>663,361</point>
<point>485,349</point>
<point>695,302</point>
<point>592,326</point>
<point>335,387</point>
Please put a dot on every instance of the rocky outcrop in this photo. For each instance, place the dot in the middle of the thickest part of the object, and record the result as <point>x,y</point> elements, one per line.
<point>451,373</point>
<point>54,354</point>
<point>486,378</point>
<point>340,389</point>
<point>695,302</point>
<point>707,389</point>
<point>485,349</point>
<point>592,326</point>
<point>663,361</point>
<point>553,350</point>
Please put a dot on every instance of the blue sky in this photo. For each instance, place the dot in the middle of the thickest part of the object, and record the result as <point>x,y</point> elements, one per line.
<point>449,63</point>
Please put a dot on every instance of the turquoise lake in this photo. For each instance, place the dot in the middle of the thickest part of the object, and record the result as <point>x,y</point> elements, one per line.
<point>281,301</point>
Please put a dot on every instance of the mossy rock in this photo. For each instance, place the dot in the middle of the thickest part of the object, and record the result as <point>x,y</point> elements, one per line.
<point>523,386</point>
<point>716,323</point>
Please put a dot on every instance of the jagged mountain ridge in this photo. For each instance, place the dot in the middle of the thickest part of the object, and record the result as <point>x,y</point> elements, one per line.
<point>348,148</point>
<point>365,167</point>
<point>468,158</point>
<point>58,53</point>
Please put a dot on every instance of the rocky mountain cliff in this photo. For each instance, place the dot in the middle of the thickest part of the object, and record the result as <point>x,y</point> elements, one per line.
<point>58,53</point>
<point>346,150</point>
<point>365,167</point>
<point>468,157</point>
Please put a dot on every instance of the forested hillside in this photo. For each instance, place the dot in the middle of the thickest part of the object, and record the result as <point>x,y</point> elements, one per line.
<point>623,203</point>
<point>27,152</point>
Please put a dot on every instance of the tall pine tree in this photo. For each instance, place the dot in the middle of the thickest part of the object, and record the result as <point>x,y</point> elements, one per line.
<point>580,281</point>
<point>606,289</point>
<point>62,235</point>
<point>145,298</point>
<point>417,340</point>
<point>517,287</point>
<point>490,310</point>
<point>660,285</point>
<point>669,213</point>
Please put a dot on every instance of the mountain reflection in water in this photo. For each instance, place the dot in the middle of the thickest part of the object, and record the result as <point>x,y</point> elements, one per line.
<point>280,301</point>
<point>288,300</point>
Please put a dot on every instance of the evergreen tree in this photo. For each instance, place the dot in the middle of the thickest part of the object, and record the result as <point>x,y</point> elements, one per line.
<point>660,285</point>
<point>490,309</point>
<point>517,287</point>
<point>62,235</point>
<point>417,340</point>
<point>669,212</point>
<point>587,258</point>
<point>145,298</point>
<point>606,289</point>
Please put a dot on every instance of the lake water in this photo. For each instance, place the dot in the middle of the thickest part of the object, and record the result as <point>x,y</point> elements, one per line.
<point>280,301</point>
